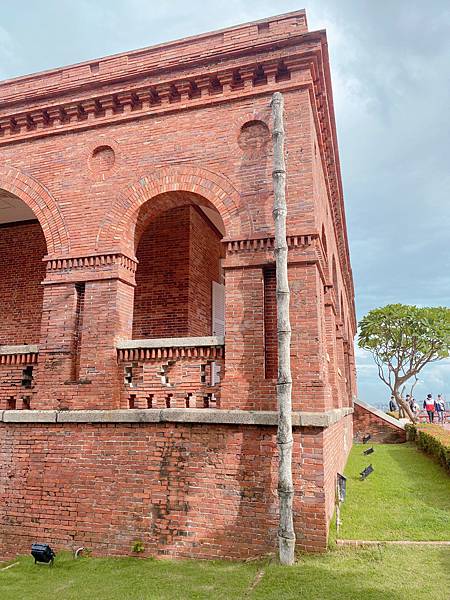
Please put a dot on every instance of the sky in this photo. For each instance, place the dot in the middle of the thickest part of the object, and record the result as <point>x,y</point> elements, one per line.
<point>390,62</point>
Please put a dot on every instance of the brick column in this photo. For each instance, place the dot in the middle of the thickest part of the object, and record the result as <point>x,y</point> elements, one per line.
<point>308,349</point>
<point>330,319</point>
<point>82,320</point>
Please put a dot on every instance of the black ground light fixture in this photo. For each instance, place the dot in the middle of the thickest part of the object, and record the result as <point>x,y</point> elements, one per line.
<point>42,553</point>
<point>366,438</point>
<point>366,472</point>
<point>369,451</point>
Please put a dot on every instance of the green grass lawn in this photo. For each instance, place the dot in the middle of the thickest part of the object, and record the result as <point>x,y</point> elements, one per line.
<point>407,497</point>
<point>389,573</point>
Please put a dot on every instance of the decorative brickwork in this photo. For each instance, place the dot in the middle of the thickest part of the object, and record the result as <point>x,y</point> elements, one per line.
<point>148,175</point>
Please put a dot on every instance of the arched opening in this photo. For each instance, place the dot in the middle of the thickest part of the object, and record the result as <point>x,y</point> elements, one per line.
<point>176,356</point>
<point>179,282</point>
<point>22,248</point>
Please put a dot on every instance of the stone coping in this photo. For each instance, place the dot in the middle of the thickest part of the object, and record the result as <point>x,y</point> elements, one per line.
<point>182,342</point>
<point>21,349</point>
<point>400,424</point>
<point>174,415</point>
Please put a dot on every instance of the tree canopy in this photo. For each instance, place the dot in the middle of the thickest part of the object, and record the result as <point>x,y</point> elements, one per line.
<point>403,339</point>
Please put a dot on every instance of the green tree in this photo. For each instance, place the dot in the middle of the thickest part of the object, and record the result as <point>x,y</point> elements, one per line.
<point>403,339</point>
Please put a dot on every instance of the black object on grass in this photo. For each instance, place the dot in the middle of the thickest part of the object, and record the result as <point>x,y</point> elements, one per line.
<point>366,438</point>
<point>366,472</point>
<point>42,553</point>
<point>369,451</point>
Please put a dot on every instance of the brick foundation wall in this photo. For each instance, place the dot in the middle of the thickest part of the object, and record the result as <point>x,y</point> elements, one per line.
<point>22,248</point>
<point>184,490</point>
<point>366,422</point>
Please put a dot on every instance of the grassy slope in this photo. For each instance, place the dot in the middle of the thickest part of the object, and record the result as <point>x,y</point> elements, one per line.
<point>406,498</point>
<point>344,574</point>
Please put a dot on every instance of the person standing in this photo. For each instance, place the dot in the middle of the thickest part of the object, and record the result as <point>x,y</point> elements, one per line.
<point>414,406</point>
<point>392,404</point>
<point>440,408</point>
<point>430,406</point>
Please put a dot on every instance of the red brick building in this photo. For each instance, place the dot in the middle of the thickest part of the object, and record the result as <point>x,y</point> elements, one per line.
<point>137,297</point>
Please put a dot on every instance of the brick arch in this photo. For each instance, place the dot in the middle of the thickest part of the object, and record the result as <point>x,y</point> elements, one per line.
<point>42,203</point>
<point>117,230</point>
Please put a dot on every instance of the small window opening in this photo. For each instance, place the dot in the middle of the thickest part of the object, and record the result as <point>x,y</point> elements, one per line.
<point>11,403</point>
<point>169,400</point>
<point>132,401</point>
<point>150,401</point>
<point>26,403</point>
<point>203,373</point>
<point>128,376</point>
<point>27,377</point>
<point>209,401</point>
<point>188,400</point>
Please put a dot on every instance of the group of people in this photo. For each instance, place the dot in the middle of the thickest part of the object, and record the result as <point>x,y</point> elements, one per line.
<point>433,407</point>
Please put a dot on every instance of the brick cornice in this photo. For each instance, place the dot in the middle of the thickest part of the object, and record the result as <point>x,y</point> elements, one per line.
<point>281,31</point>
<point>303,248</point>
<point>95,266</point>
<point>142,100</point>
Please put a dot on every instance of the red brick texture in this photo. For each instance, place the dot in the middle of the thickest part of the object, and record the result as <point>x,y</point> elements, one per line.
<point>366,422</point>
<point>117,159</point>
<point>179,258</point>
<point>22,248</point>
<point>191,491</point>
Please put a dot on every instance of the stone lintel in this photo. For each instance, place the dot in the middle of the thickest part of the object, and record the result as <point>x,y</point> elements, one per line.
<point>187,342</point>
<point>29,416</point>
<point>174,415</point>
<point>21,349</point>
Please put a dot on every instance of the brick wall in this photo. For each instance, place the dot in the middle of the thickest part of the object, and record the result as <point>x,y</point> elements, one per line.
<point>162,277</point>
<point>22,248</point>
<point>179,258</point>
<point>381,431</point>
<point>184,490</point>
<point>17,383</point>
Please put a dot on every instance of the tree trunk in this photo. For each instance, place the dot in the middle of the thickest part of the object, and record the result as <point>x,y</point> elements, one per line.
<point>286,534</point>
<point>404,405</point>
